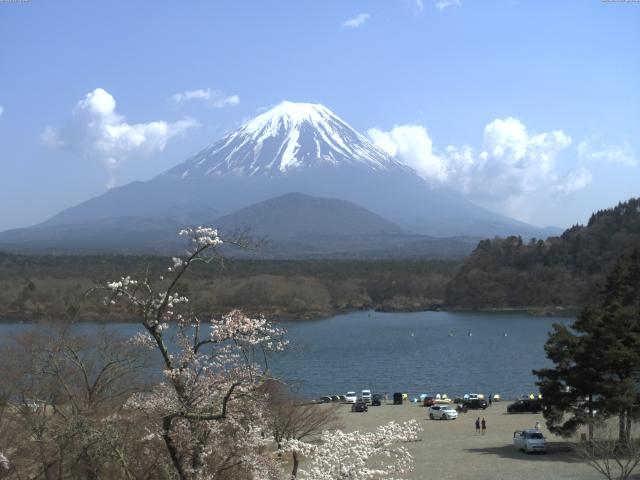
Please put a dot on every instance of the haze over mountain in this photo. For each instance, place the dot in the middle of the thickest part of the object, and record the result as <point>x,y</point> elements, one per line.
<point>296,215</point>
<point>294,147</point>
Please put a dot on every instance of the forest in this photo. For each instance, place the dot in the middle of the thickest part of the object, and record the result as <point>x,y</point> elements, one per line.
<point>563,272</point>
<point>544,276</point>
<point>40,287</point>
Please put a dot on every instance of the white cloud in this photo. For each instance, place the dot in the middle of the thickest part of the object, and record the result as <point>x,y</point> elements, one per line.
<point>212,98</point>
<point>419,6</point>
<point>95,130</point>
<point>443,4</point>
<point>355,22</point>
<point>575,180</point>
<point>1,110</point>
<point>593,149</point>
<point>412,145</point>
<point>512,162</point>
<point>50,137</point>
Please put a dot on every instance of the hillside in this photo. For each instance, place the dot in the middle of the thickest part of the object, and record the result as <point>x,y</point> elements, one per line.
<point>560,272</point>
<point>296,215</point>
<point>290,226</point>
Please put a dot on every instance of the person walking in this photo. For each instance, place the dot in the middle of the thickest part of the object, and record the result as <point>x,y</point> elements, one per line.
<point>478,425</point>
<point>537,427</point>
<point>484,426</point>
<point>490,399</point>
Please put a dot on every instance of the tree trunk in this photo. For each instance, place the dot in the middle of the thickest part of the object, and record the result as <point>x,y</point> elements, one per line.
<point>296,462</point>
<point>590,417</point>
<point>172,448</point>
<point>622,424</point>
<point>197,462</point>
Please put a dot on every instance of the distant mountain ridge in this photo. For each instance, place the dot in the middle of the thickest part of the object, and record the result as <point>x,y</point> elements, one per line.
<point>292,226</point>
<point>294,147</point>
<point>296,215</point>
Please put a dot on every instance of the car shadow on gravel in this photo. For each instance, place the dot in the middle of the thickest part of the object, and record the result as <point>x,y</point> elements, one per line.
<point>556,452</point>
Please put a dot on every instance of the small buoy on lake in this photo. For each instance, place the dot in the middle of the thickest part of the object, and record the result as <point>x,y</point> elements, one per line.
<point>470,334</point>
<point>412,334</point>
<point>451,334</point>
<point>505,334</point>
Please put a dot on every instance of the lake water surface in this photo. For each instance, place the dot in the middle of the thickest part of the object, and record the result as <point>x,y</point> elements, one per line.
<point>430,352</point>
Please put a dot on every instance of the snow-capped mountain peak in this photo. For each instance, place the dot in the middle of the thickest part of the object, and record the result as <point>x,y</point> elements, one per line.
<point>289,137</point>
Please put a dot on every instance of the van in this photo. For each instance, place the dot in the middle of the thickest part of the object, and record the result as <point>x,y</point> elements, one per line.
<point>530,441</point>
<point>366,396</point>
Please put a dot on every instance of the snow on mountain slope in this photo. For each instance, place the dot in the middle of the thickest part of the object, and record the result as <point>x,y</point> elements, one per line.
<point>287,138</point>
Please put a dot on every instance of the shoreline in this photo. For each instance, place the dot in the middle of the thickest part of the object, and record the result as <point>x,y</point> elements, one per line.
<point>306,316</point>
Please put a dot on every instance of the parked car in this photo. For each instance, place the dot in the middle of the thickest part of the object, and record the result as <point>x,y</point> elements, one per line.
<point>522,406</point>
<point>442,412</point>
<point>474,396</point>
<point>476,404</point>
<point>359,406</point>
<point>376,400</point>
<point>529,441</point>
<point>428,401</point>
<point>443,401</point>
<point>397,398</point>
<point>351,397</point>
<point>366,396</point>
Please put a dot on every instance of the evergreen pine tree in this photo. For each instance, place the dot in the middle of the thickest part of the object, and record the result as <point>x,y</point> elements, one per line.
<point>597,359</point>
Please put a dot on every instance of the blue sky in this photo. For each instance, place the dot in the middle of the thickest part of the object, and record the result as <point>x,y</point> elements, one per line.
<point>444,84</point>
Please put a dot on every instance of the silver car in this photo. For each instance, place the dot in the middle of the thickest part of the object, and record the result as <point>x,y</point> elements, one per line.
<point>442,412</point>
<point>529,441</point>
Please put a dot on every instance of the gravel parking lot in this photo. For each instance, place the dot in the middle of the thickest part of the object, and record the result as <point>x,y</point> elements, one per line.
<point>452,450</point>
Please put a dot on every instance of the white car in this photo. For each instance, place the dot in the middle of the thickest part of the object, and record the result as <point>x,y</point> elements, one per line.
<point>366,396</point>
<point>529,441</point>
<point>474,396</point>
<point>351,397</point>
<point>442,412</point>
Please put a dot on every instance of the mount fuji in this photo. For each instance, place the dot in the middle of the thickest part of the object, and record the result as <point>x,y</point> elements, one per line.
<point>294,147</point>
<point>287,139</point>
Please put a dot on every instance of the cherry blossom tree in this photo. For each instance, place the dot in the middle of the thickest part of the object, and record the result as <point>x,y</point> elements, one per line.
<point>293,418</point>
<point>359,455</point>
<point>208,407</point>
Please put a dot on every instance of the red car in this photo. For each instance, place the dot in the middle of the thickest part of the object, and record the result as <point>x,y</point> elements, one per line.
<point>428,401</point>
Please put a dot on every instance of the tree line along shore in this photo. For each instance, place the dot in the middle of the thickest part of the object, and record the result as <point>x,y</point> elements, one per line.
<point>555,275</point>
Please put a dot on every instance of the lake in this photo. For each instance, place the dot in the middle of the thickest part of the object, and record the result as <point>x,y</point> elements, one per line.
<point>430,352</point>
